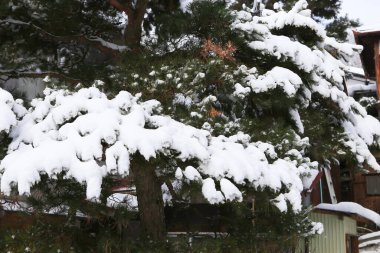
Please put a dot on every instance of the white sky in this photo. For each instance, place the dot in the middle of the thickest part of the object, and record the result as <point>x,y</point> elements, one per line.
<point>368,11</point>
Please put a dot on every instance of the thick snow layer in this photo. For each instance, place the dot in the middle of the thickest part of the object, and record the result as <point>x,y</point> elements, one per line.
<point>277,77</point>
<point>10,110</point>
<point>351,207</point>
<point>295,17</point>
<point>87,135</point>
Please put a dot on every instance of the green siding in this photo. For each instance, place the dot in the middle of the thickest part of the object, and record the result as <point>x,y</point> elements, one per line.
<point>333,239</point>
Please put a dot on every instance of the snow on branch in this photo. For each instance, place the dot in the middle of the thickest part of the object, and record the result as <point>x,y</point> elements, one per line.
<point>10,111</point>
<point>88,136</point>
<point>326,72</point>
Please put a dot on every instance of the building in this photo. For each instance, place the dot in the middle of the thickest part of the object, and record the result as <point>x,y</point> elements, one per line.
<point>370,56</point>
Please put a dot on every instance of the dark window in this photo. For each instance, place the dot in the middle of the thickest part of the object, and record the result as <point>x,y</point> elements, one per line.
<point>373,184</point>
<point>346,193</point>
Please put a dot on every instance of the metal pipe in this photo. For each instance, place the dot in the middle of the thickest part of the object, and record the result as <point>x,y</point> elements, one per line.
<point>321,189</point>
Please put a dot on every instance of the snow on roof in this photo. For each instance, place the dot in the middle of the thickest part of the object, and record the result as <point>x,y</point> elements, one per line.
<point>367,29</point>
<point>351,208</point>
<point>352,88</point>
<point>369,235</point>
<point>355,70</point>
<point>308,181</point>
<point>369,239</point>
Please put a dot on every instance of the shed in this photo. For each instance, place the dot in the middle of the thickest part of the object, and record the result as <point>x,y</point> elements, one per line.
<point>339,235</point>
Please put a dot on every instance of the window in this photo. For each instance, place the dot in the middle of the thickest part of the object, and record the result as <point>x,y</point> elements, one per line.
<point>373,184</point>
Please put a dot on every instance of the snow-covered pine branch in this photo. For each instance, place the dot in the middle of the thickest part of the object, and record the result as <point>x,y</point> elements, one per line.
<point>10,111</point>
<point>326,71</point>
<point>88,135</point>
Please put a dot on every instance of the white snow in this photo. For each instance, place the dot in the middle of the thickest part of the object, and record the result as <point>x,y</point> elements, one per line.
<point>326,72</point>
<point>184,4</point>
<point>355,70</point>
<point>123,200</point>
<point>370,235</point>
<point>108,44</point>
<point>87,136</point>
<point>210,193</point>
<point>230,191</point>
<point>354,208</point>
<point>365,29</point>
<point>192,174</point>
<point>297,119</point>
<point>352,88</point>
<point>10,111</point>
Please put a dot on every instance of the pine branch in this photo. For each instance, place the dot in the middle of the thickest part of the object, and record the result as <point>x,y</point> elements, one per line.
<point>102,45</point>
<point>127,9</point>
<point>26,74</point>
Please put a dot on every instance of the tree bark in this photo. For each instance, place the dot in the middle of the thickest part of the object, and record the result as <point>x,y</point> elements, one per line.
<point>135,13</point>
<point>149,196</point>
<point>132,33</point>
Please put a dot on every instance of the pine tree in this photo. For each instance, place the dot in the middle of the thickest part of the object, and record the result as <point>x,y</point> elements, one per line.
<point>327,11</point>
<point>228,107</point>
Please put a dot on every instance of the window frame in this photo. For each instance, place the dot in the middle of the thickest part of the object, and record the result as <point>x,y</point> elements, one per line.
<point>366,183</point>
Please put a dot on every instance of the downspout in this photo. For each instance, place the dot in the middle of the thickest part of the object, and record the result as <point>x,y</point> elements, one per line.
<point>321,189</point>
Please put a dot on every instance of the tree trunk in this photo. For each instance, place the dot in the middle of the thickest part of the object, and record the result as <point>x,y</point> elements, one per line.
<point>149,196</point>
<point>132,34</point>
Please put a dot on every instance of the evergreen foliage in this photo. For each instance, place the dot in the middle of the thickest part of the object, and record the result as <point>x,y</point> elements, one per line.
<point>215,68</point>
<point>325,11</point>
<point>338,27</point>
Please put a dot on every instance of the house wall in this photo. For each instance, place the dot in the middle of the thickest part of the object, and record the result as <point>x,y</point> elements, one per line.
<point>360,194</point>
<point>333,239</point>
